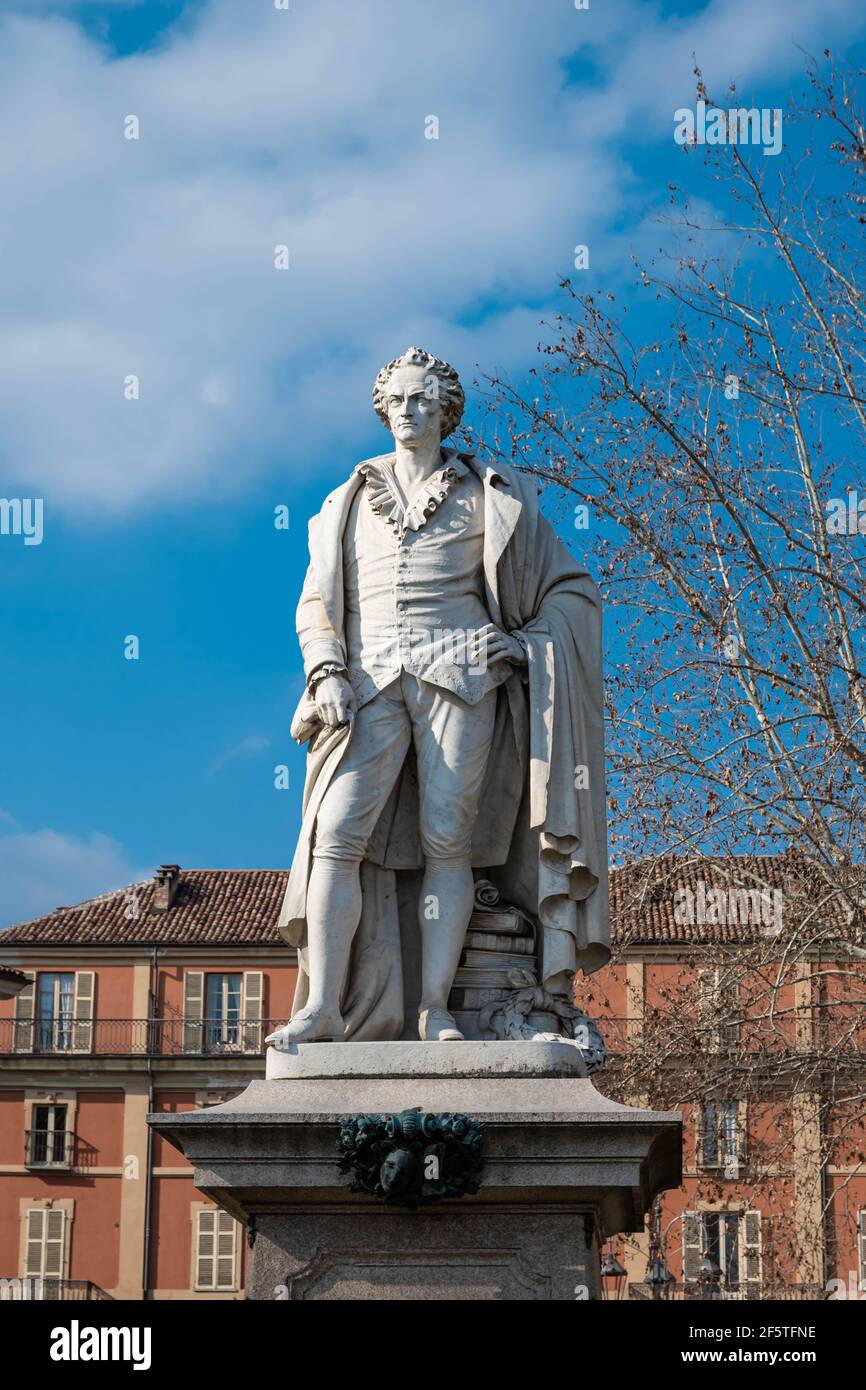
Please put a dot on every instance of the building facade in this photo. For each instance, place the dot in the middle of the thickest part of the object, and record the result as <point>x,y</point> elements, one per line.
<point>158,998</point>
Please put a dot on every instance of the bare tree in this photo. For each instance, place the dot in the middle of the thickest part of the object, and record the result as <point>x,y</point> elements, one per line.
<point>715,448</point>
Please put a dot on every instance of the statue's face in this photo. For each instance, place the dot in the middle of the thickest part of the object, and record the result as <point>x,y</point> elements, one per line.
<point>396,1172</point>
<point>414,412</point>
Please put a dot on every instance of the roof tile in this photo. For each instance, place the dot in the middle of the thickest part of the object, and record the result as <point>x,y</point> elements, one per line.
<point>235,906</point>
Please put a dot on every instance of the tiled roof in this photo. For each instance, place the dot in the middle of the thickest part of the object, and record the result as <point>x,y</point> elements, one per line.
<point>649,899</point>
<point>210,907</point>
<point>228,906</point>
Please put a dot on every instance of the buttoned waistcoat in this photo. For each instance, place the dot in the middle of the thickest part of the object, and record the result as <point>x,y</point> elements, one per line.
<point>414,583</point>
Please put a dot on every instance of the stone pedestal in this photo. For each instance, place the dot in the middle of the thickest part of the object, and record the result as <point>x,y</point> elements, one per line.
<point>564,1168</point>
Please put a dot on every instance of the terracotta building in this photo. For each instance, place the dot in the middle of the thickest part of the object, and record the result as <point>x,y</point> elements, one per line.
<point>158,997</point>
<point>154,998</point>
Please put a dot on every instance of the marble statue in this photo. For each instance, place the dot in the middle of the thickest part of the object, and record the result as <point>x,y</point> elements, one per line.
<point>454,726</point>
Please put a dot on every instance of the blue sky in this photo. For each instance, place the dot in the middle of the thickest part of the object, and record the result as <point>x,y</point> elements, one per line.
<point>154,257</point>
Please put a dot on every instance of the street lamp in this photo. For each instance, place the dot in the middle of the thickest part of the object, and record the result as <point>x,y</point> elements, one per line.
<point>613,1275</point>
<point>662,1283</point>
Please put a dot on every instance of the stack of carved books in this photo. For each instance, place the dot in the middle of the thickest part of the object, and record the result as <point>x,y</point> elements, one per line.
<point>500,939</point>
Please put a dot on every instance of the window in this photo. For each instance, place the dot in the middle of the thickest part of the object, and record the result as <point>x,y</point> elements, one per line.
<point>45,1238</point>
<point>861,1228</point>
<point>216,1251</point>
<point>719,996</point>
<point>731,1240</point>
<point>49,1141</point>
<point>55,1006</point>
<point>54,1013</point>
<point>721,1137</point>
<point>722,1245</point>
<point>222,1012</point>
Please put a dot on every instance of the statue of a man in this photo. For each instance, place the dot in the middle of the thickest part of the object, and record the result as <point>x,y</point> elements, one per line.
<point>453,716</point>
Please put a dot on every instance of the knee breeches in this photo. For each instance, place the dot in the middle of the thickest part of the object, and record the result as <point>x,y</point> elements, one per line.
<point>452,742</point>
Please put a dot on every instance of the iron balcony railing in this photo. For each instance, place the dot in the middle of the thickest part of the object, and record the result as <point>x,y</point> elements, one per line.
<point>746,1292</point>
<point>180,1037</point>
<point>122,1037</point>
<point>197,1037</point>
<point>47,1148</point>
<point>39,1289</point>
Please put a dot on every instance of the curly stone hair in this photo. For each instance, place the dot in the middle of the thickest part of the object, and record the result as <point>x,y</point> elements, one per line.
<point>451,396</point>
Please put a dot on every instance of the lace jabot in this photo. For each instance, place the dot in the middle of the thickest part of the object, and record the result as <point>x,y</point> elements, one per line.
<point>386,499</point>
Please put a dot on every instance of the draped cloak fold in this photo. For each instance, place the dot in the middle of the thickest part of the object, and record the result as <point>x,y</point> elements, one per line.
<point>541,829</point>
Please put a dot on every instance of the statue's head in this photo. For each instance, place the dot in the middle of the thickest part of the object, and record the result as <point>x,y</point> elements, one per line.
<point>418,396</point>
<point>397,1171</point>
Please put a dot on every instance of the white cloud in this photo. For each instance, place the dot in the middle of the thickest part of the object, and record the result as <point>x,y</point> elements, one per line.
<point>259,127</point>
<point>44,869</point>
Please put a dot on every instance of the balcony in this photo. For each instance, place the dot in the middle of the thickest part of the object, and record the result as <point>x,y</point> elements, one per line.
<point>45,1148</point>
<point>139,1037</point>
<point>698,1293</point>
<point>175,1037</point>
<point>38,1290</point>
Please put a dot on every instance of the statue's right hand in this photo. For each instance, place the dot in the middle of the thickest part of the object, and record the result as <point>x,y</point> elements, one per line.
<point>335,700</point>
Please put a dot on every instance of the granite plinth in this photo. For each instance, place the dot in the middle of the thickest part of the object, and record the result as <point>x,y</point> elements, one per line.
<point>419,1060</point>
<point>564,1167</point>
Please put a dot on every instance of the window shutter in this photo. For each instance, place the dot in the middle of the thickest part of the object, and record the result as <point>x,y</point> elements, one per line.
<point>22,1039</point>
<point>205,1249</point>
<point>719,996</point>
<point>35,1219</point>
<point>691,1246</point>
<point>225,1251</point>
<point>707,995</point>
<point>254,989</point>
<point>750,1257</point>
<point>728,996</point>
<point>709,1136</point>
<point>861,1221</point>
<point>193,1001</point>
<point>85,991</point>
<point>216,1250</point>
<point>54,1231</point>
<point>742,1130</point>
<point>729,1138</point>
<point>708,1001</point>
<point>45,1243</point>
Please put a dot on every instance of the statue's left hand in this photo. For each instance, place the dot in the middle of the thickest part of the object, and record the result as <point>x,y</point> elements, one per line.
<point>492,644</point>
